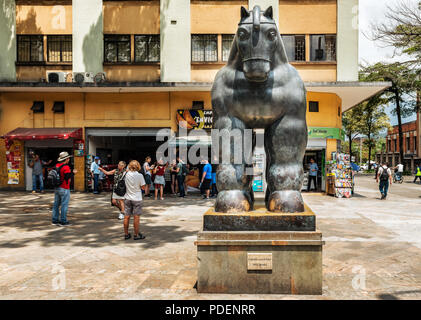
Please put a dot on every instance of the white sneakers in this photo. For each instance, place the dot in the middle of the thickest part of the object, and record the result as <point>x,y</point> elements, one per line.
<point>121,216</point>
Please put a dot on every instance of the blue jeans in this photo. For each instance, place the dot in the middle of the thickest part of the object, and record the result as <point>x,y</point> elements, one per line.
<point>61,198</point>
<point>96,179</point>
<point>38,177</point>
<point>384,186</point>
<point>180,180</point>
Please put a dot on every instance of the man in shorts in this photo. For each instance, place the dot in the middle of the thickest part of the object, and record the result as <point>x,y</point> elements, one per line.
<point>206,178</point>
<point>147,168</point>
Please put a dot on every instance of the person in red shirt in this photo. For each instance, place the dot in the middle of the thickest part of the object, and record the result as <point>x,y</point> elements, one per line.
<point>62,193</point>
<point>159,180</point>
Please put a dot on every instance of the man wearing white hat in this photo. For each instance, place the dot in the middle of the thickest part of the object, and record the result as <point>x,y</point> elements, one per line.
<point>62,192</point>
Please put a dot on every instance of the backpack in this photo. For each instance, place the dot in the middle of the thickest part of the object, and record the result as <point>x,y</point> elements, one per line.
<point>385,175</point>
<point>120,188</point>
<point>54,176</point>
<point>184,169</point>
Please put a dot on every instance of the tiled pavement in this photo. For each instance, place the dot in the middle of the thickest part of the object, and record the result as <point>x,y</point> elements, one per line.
<point>365,238</point>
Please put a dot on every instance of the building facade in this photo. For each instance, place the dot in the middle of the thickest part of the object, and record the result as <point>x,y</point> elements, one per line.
<point>102,77</point>
<point>411,146</point>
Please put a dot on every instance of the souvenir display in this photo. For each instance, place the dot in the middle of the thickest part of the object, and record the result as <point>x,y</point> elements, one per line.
<point>340,177</point>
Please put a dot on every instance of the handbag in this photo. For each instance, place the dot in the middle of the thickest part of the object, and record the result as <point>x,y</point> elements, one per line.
<point>120,188</point>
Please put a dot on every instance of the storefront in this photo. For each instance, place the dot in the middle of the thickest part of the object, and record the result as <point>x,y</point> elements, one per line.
<point>23,143</point>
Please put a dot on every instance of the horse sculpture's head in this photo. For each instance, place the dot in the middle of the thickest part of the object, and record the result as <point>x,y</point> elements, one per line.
<point>257,40</point>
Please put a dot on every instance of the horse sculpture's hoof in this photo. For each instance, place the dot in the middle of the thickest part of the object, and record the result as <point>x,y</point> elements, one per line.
<point>231,201</point>
<point>286,201</point>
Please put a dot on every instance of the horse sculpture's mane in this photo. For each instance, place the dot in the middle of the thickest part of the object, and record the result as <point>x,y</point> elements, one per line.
<point>280,56</point>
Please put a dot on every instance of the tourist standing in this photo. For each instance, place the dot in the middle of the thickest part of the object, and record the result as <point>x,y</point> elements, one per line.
<point>312,174</point>
<point>159,180</point>
<point>95,174</point>
<point>133,199</point>
<point>214,190</point>
<point>173,170</point>
<point>418,173</point>
<point>147,168</point>
<point>116,200</point>
<point>37,175</point>
<point>385,176</point>
<point>180,176</point>
<point>62,193</point>
<point>206,180</point>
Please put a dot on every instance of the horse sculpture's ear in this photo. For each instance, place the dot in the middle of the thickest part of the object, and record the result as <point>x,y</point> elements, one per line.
<point>244,13</point>
<point>269,13</point>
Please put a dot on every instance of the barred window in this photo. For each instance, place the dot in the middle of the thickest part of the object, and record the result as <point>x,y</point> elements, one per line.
<point>116,48</point>
<point>59,48</point>
<point>227,40</point>
<point>323,47</point>
<point>295,47</point>
<point>204,47</point>
<point>147,48</point>
<point>30,48</point>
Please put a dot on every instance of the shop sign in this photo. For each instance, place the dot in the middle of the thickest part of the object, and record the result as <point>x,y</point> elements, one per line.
<point>79,148</point>
<point>195,119</point>
<point>326,133</point>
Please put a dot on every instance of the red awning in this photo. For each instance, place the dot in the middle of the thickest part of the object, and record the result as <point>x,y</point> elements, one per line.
<point>42,134</point>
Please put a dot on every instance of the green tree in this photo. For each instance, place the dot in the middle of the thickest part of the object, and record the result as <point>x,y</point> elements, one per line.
<point>402,93</point>
<point>351,124</point>
<point>374,120</point>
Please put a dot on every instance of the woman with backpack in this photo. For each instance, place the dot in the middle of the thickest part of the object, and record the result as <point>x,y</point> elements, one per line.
<point>119,173</point>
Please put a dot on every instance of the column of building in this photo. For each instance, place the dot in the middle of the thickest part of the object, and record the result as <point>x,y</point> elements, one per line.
<point>7,40</point>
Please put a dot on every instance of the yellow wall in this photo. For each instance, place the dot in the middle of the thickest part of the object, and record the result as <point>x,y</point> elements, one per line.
<point>44,19</point>
<point>327,117</point>
<point>215,16</point>
<point>123,110</point>
<point>121,73</point>
<point>307,16</point>
<point>131,17</point>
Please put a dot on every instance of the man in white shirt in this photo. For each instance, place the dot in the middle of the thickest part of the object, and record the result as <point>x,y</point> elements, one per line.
<point>385,176</point>
<point>399,173</point>
<point>133,199</point>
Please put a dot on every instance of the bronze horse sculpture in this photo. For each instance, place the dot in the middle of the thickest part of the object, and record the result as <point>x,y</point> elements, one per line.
<point>258,88</point>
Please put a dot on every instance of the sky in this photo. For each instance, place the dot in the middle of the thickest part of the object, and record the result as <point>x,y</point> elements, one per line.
<point>373,11</point>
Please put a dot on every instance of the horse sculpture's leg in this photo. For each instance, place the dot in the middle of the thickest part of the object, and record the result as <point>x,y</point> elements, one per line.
<point>232,181</point>
<point>285,144</point>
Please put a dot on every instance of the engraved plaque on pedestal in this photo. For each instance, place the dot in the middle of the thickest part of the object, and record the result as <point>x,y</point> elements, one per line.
<point>259,261</point>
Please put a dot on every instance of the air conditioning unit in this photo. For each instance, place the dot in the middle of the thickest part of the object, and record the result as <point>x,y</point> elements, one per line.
<point>56,76</point>
<point>100,77</point>
<point>83,77</point>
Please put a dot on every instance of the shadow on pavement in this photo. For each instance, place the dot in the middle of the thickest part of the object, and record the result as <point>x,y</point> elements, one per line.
<point>93,221</point>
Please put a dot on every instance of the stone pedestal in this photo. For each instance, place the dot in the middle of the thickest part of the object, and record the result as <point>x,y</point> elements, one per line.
<point>234,257</point>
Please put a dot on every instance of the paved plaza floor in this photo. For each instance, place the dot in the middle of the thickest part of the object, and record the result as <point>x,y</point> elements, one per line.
<point>372,250</point>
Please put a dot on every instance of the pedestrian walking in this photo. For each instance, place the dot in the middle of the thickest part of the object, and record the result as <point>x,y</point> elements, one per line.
<point>173,170</point>
<point>95,174</point>
<point>116,200</point>
<point>181,175</point>
<point>312,174</point>
<point>37,175</point>
<point>62,191</point>
<point>418,173</point>
<point>206,180</point>
<point>385,176</point>
<point>214,190</point>
<point>159,179</point>
<point>147,172</point>
<point>135,183</point>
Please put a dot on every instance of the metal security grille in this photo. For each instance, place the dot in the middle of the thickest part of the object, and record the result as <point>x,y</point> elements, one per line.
<point>300,48</point>
<point>147,48</point>
<point>59,48</point>
<point>116,48</point>
<point>227,40</point>
<point>331,48</point>
<point>30,48</point>
<point>204,47</point>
